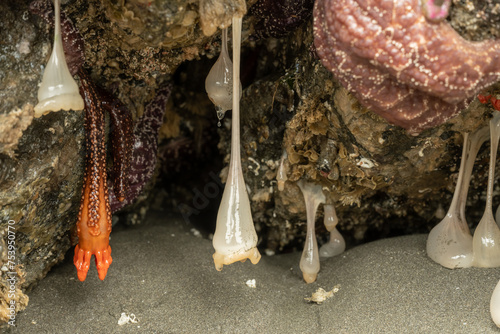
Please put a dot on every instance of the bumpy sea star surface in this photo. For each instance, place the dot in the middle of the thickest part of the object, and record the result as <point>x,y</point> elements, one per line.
<point>121,144</point>
<point>145,148</point>
<point>94,219</point>
<point>414,73</point>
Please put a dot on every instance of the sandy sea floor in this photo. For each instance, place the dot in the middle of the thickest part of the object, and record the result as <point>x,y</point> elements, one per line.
<point>163,277</point>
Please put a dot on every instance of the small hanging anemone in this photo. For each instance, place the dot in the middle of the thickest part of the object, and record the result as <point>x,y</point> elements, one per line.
<point>450,242</point>
<point>281,176</point>
<point>58,90</point>
<point>486,240</point>
<point>219,82</point>
<point>309,262</point>
<point>336,244</point>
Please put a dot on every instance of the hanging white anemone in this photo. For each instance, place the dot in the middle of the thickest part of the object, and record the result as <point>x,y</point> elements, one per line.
<point>281,176</point>
<point>486,240</point>
<point>309,262</point>
<point>219,82</point>
<point>58,90</point>
<point>450,242</point>
<point>235,238</point>
<point>489,230</point>
<point>336,244</point>
<point>495,305</point>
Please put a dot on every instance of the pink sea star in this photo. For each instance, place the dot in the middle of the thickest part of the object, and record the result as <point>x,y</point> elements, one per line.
<point>414,73</point>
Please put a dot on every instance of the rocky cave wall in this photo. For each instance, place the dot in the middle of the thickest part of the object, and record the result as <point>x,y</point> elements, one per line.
<point>382,181</point>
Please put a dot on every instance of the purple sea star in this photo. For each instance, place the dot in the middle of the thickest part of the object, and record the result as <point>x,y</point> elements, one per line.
<point>414,73</point>
<point>145,148</point>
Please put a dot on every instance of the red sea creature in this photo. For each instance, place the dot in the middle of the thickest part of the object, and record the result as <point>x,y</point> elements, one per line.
<point>135,157</point>
<point>489,98</point>
<point>140,152</point>
<point>415,73</point>
<point>94,219</point>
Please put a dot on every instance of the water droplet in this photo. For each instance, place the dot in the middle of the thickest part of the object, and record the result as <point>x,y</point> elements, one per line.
<point>220,112</point>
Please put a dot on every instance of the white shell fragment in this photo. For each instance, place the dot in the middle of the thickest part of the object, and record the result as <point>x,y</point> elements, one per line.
<point>58,90</point>
<point>365,163</point>
<point>127,319</point>
<point>320,295</point>
<point>235,238</point>
<point>251,283</point>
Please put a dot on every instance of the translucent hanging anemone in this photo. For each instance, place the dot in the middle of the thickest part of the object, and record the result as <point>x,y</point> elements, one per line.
<point>495,305</point>
<point>450,242</point>
<point>281,176</point>
<point>486,240</point>
<point>58,90</point>
<point>219,82</point>
<point>235,238</point>
<point>336,244</point>
<point>309,262</point>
